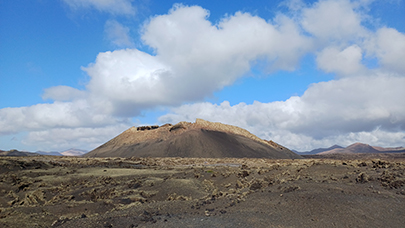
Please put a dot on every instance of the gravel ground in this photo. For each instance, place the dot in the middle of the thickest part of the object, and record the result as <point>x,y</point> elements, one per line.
<point>47,191</point>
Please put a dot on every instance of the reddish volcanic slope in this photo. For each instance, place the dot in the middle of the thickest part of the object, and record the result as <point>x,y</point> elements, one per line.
<point>202,139</point>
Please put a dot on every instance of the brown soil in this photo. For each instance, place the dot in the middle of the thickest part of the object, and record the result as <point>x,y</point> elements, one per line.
<point>50,191</point>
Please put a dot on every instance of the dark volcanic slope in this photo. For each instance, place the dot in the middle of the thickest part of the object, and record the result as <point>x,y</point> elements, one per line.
<point>200,139</point>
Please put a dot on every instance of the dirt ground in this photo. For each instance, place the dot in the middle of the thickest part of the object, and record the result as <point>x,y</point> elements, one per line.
<point>47,191</point>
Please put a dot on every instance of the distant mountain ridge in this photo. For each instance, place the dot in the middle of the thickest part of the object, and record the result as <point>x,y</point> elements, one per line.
<point>69,152</point>
<point>361,148</point>
<point>319,150</point>
<point>16,153</point>
<point>355,148</point>
<point>52,153</point>
<point>73,152</point>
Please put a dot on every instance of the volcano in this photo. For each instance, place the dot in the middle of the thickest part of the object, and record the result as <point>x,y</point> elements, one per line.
<point>202,139</point>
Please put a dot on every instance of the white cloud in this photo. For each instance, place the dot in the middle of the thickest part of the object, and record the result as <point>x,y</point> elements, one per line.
<point>343,62</point>
<point>293,5</point>
<point>116,7</point>
<point>58,139</point>
<point>185,38</point>
<point>388,45</point>
<point>118,34</point>
<point>63,93</point>
<point>124,82</point>
<point>302,142</point>
<point>342,110</point>
<point>194,58</point>
<point>333,21</point>
<point>56,115</point>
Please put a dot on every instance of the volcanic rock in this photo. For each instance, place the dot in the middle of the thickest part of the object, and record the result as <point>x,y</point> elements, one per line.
<point>202,139</point>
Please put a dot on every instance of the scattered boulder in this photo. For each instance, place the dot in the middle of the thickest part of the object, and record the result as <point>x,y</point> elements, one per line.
<point>363,178</point>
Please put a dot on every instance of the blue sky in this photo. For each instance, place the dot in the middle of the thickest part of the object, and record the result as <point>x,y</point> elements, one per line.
<point>306,74</point>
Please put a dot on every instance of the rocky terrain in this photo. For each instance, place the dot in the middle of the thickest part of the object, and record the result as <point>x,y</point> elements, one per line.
<point>200,139</point>
<point>49,191</point>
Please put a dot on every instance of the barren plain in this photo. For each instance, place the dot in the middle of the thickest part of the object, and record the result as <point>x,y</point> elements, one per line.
<point>46,191</point>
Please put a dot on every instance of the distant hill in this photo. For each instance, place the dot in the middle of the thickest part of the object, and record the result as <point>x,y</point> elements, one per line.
<point>319,150</point>
<point>70,152</point>
<point>390,149</point>
<point>73,152</point>
<point>357,148</point>
<point>200,139</point>
<point>52,153</point>
<point>16,153</point>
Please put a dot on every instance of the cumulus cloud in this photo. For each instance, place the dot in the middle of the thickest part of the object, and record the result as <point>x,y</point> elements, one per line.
<point>333,21</point>
<point>345,62</point>
<point>56,115</point>
<point>293,5</point>
<point>342,43</point>
<point>116,7</point>
<point>82,137</point>
<point>185,37</point>
<point>388,45</point>
<point>63,93</point>
<point>341,110</point>
<point>126,81</point>
<point>193,58</point>
<point>118,34</point>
